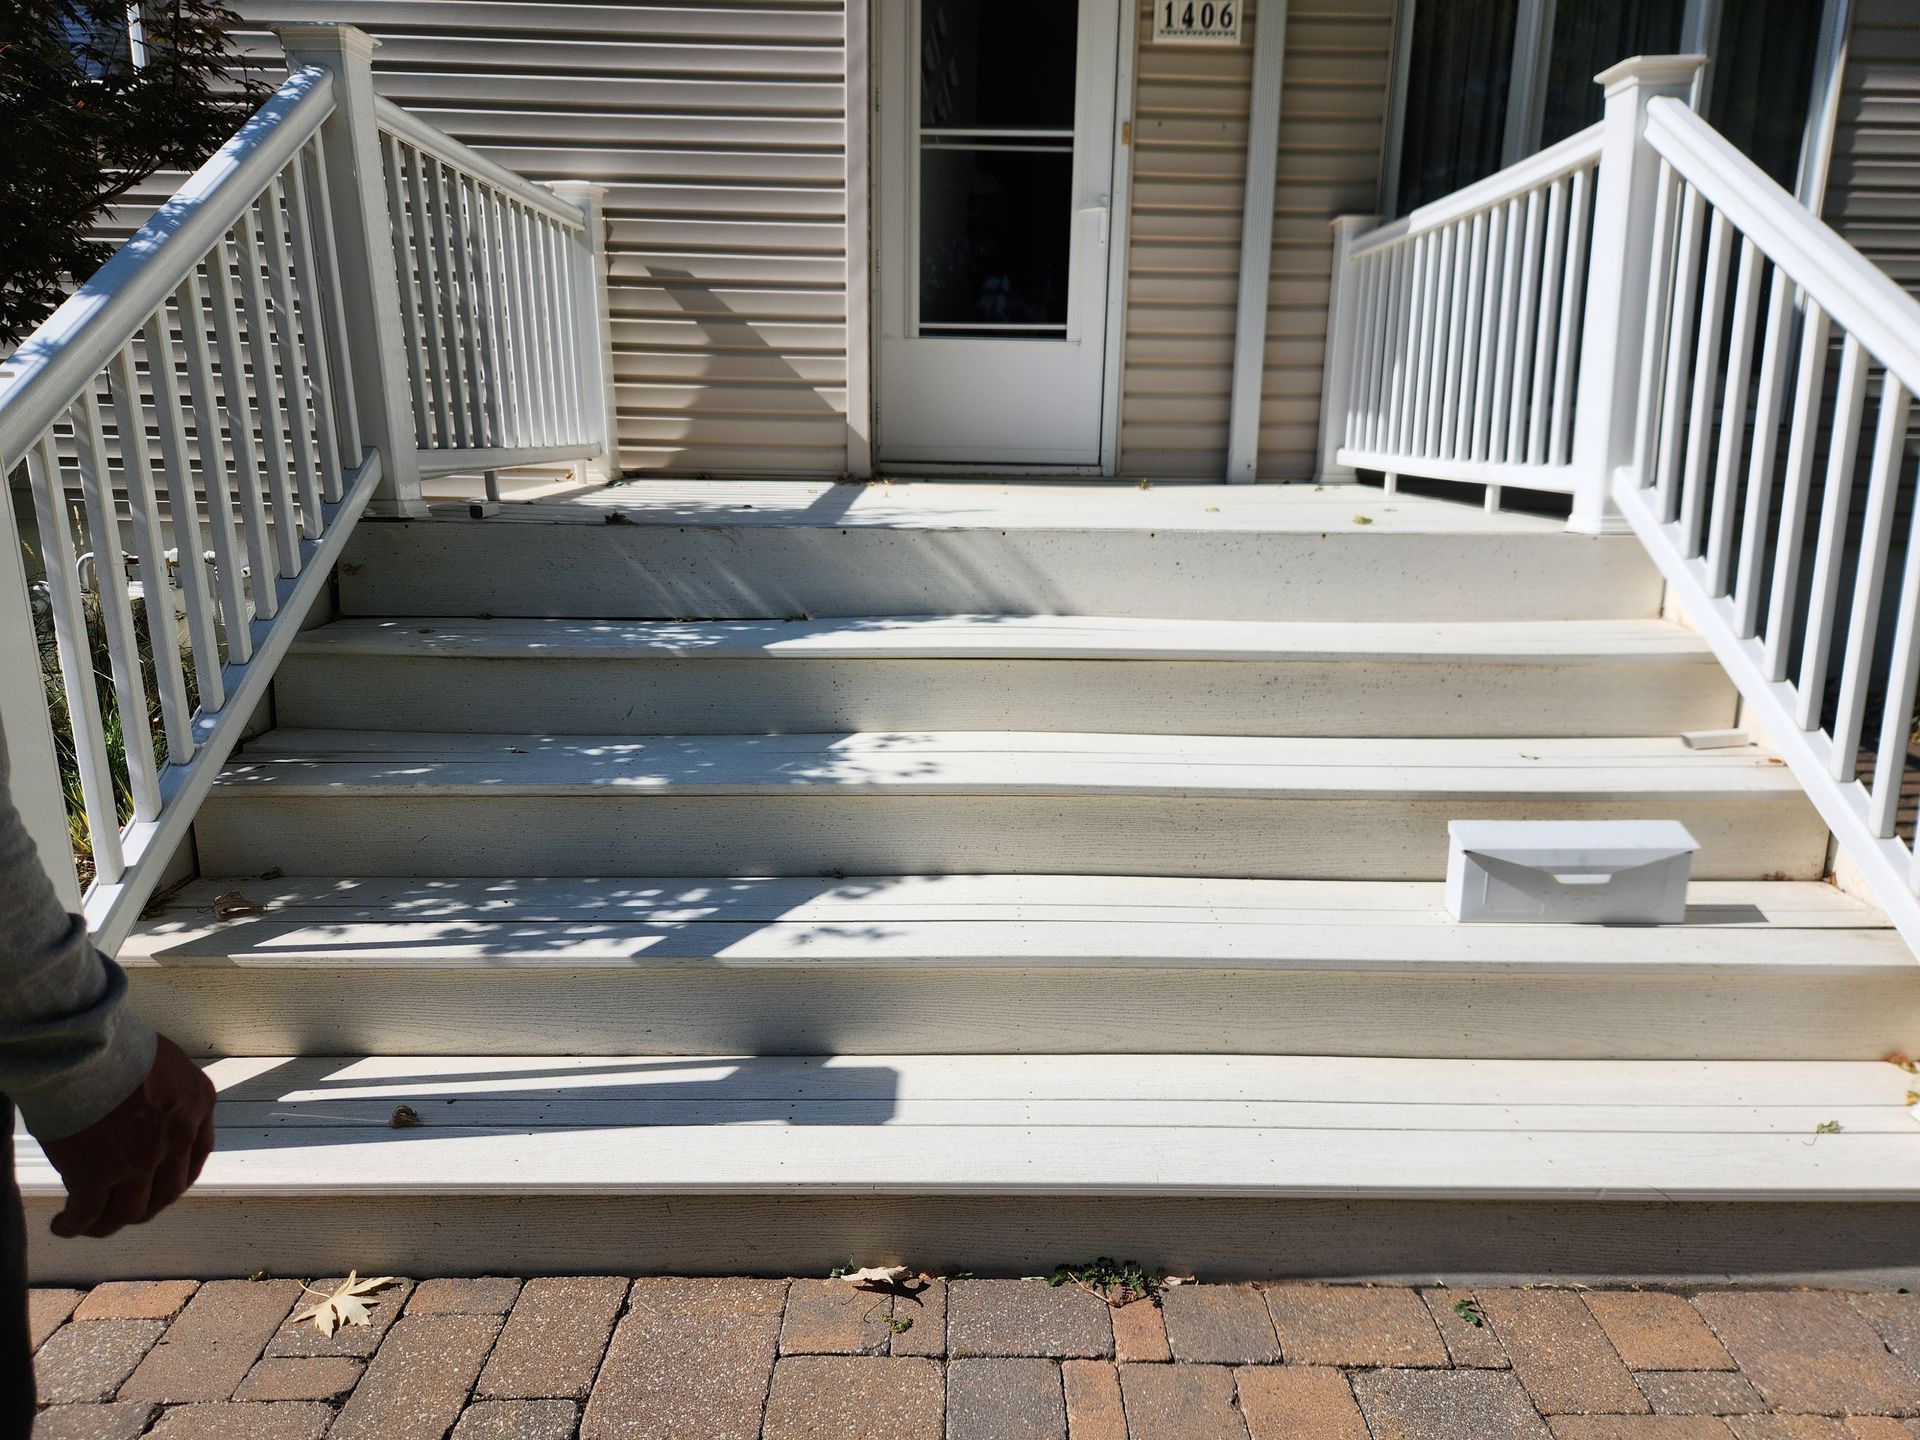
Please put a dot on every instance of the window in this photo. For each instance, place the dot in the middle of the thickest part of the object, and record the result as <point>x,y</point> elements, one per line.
<point>1489,82</point>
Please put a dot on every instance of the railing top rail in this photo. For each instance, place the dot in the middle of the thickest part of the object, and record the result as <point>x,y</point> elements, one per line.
<point>1856,294</point>
<point>41,378</point>
<point>1576,152</point>
<point>443,147</point>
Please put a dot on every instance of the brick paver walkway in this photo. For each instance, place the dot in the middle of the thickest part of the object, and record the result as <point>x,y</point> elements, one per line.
<point>605,1358</point>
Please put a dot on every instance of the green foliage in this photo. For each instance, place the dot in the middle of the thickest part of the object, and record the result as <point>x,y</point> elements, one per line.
<point>1118,1281</point>
<point>84,124</point>
<point>1468,1309</point>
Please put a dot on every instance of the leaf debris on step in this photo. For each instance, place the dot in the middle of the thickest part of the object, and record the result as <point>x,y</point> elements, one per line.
<point>232,905</point>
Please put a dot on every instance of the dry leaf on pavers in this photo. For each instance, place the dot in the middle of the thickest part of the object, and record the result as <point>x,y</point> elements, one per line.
<point>343,1306</point>
<point>885,1277</point>
<point>232,905</point>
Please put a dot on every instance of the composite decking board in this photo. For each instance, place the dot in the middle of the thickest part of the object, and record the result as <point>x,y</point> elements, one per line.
<point>970,923</point>
<point>876,1137</point>
<point>960,505</point>
<point>1730,903</point>
<point>1013,638</point>
<point>978,763</point>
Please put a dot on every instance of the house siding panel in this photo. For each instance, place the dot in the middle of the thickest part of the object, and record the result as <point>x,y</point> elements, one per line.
<point>720,130</point>
<point>1873,190</point>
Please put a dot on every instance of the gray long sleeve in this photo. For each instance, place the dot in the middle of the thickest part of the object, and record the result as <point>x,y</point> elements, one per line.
<point>70,1049</point>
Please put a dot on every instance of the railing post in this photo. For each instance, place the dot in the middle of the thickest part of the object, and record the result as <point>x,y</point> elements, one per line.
<point>594,363</point>
<point>363,235</point>
<point>33,765</point>
<point>1336,377</point>
<point>1618,266</point>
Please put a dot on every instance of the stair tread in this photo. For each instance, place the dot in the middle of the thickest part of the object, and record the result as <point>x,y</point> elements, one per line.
<point>1058,1124</point>
<point>976,921</point>
<point>338,762</point>
<point>1035,637</point>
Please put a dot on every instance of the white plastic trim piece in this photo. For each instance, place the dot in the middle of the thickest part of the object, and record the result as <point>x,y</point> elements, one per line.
<point>41,378</point>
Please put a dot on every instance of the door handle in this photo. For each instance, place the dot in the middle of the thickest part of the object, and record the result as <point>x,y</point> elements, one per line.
<point>1097,217</point>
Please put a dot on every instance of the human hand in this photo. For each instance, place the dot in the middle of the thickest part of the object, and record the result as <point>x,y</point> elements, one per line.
<point>140,1157</point>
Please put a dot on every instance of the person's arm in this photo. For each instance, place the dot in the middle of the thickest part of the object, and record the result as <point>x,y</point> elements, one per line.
<point>123,1115</point>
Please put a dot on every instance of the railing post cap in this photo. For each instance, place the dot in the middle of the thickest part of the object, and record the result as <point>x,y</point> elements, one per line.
<point>1348,224</point>
<point>588,189</point>
<point>1649,71</point>
<point>306,37</point>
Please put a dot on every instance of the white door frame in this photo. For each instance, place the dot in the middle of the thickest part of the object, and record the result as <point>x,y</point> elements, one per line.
<point>863,333</point>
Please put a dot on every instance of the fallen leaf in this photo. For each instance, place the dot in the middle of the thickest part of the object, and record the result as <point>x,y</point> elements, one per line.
<point>1827,1127</point>
<point>1363,519</point>
<point>404,1116</point>
<point>1895,1057</point>
<point>887,1275</point>
<point>232,905</point>
<point>343,1306</point>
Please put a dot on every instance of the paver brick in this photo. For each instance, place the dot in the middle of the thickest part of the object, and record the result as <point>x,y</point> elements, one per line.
<point>239,1420</point>
<point>1281,1402</point>
<point>834,1397</point>
<point>384,1306</point>
<point>1472,1347</point>
<point>1094,1408</point>
<point>136,1300</point>
<point>1810,1352</point>
<point>831,1317</point>
<point>486,1295</point>
<point>1219,1325</point>
<point>1787,1427</point>
<point>554,1339</point>
<point>120,1421</point>
<point>927,1309</point>
<point>517,1420</point>
<point>1897,1320</point>
<point>1561,1354</point>
<point>325,1377</point>
<point>690,1358</point>
<point>1653,1330</point>
<point>1446,1405</point>
<point>1699,1392</point>
<point>419,1380</point>
<point>1878,1427</point>
<point>1354,1325</point>
<point>1140,1333</point>
<point>1005,1399</point>
<point>209,1349</point>
<point>1638,1427</point>
<point>1180,1402</point>
<point>1026,1317</point>
<point>90,1360</point>
<point>47,1311</point>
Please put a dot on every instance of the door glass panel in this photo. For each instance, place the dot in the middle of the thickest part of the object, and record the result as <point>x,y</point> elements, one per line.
<point>995,167</point>
<point>1763,79</point>
<point>1590,35</point>
<point>1456,111</point>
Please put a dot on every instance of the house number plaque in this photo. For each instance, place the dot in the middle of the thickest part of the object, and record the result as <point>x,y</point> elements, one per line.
<point>1196,22</point>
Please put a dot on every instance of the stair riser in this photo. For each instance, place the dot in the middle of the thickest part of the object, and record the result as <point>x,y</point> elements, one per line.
<point>1751,835</point>
<point>773,572</point>
<point>214,1010</point>
<point>1863,1244</point>
<point>766,696</point>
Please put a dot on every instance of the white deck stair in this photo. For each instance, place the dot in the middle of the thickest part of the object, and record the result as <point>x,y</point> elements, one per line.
<point>933,922</point>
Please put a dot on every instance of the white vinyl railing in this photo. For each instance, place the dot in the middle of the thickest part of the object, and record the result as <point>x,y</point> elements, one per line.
<point>1736,388</point>
<point>1778,370</point>
<point>502,299</point>
<point>1462,358</point>
<point>196,431</point>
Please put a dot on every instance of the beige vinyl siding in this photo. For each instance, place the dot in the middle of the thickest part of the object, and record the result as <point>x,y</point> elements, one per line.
<point>1333,105</point>
<point>1873,190</point>
<point>720,131</point>
<point>1189,158</point>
